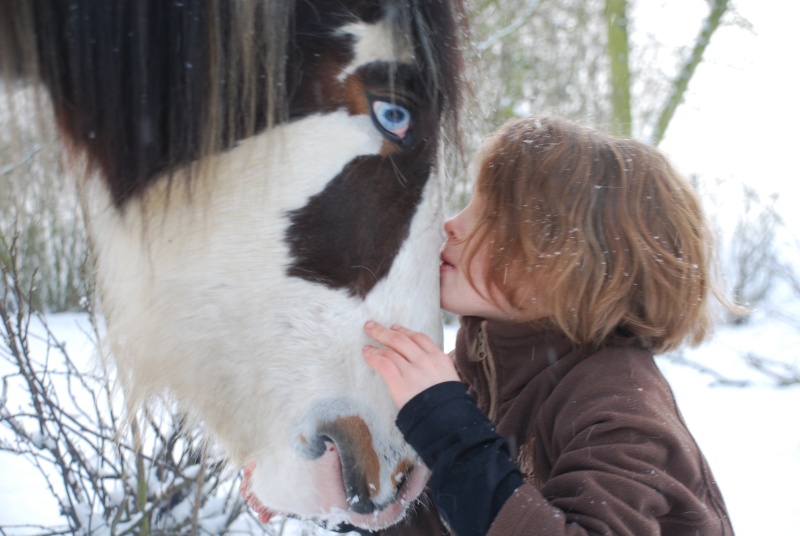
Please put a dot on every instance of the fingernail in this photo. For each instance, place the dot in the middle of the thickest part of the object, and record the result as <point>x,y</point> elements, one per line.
<point>370,324</point>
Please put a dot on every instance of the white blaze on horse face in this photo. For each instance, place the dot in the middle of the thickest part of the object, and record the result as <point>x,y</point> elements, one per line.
<point>375,42</point>
<point>200,276</point>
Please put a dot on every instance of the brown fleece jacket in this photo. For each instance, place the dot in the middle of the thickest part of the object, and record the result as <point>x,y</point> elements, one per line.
<point>596,433</point>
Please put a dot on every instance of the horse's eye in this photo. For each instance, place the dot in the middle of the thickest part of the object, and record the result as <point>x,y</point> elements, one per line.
<point>392,118</point>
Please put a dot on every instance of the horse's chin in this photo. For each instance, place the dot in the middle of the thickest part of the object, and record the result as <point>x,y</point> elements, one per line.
<point>395,511</point>
<point>335,506</point>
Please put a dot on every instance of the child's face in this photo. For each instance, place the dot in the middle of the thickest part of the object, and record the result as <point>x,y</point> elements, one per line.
<point>457,295</point>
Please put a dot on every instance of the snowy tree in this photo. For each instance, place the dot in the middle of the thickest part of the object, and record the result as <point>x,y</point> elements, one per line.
<point>576,58</point>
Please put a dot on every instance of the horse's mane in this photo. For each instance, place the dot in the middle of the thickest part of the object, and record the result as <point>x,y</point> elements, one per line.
<point>145,87</point>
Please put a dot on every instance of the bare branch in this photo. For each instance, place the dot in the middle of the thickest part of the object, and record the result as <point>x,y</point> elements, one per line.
<point>520,21</point>
<point>783,374</point>
<point>679,358</point>
<point>67,426</point>
<point>681,81</point>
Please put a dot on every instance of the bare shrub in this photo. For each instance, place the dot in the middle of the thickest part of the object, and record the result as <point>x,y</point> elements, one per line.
<point>753,261</point>
<point>109,475</point>
<point>39,206</point>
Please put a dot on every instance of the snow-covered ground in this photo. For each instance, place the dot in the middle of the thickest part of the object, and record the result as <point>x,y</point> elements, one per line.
<point>750,435</point>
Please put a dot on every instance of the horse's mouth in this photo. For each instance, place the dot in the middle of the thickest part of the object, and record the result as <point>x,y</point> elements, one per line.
<point>245,489</point>
<point>410,486</point>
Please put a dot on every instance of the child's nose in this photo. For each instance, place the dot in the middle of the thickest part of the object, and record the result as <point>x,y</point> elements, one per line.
<point>450,229</point>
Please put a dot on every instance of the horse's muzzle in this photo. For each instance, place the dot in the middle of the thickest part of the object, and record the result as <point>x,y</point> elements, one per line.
<point>351,439</point>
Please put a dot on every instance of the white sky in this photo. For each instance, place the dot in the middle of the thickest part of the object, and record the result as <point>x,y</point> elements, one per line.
<point>739,122</point>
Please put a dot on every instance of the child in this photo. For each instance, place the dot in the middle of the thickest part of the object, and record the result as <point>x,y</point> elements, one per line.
<point>579,257</point>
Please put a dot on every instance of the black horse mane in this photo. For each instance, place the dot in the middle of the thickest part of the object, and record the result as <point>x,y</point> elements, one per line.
<point>145,87</point>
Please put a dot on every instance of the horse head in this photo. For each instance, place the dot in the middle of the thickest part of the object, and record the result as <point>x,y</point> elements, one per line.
<point>259,181</point>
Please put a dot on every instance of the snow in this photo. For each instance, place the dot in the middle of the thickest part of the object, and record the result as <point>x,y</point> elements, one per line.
<point>749,435</point>
<point>737,126</point>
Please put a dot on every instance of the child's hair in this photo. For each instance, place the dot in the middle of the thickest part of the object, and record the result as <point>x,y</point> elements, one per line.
<point>599,232</point>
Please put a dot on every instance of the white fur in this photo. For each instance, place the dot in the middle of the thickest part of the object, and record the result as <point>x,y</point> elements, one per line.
<point>199,306</point>
<point>375,42</point>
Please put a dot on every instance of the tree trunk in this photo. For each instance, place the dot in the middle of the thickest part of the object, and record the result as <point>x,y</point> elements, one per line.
<point>618,53</point>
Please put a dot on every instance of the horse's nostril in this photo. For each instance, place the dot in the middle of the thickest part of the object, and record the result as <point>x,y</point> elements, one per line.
<point>327,443</point>
<point>317,446</point>
<point>367,487</point>
<point>401,473</point>
<point>351,439</point>
<point>361,505</point>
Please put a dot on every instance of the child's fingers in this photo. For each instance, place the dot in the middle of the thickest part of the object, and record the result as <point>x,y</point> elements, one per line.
<point>387,368</point>
<point>420,339</point>
<point>386,362</point>
<point>396,340</point>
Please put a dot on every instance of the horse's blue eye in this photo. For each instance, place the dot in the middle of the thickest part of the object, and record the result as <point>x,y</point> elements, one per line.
<point>393,118</point>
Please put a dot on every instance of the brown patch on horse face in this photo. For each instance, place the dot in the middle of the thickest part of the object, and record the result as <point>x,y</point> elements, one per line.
<point>317,61</point>
<point>354,96</point>
<point>347,236</point>
<point>360,464</point>
<point>357,103</point>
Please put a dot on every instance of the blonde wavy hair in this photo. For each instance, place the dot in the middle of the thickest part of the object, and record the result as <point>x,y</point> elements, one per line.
<point>602,233</point>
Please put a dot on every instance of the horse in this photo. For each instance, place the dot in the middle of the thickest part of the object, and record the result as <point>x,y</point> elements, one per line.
<point>259,178</point>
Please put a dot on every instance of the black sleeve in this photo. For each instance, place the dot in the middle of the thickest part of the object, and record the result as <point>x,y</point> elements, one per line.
<point>473,474</point>
<point>345,528</point>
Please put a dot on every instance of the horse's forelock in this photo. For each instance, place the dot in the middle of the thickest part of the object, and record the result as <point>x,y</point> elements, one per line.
<point>145,88</point>
<point>438,27</point>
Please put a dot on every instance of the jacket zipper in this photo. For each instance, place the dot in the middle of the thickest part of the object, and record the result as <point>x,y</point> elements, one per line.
<point>484,355</point>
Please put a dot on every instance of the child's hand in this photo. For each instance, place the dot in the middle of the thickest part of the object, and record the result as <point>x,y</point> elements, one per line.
<point>410,363</point>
